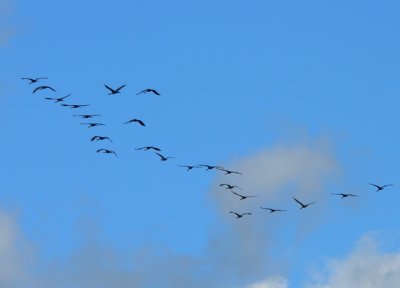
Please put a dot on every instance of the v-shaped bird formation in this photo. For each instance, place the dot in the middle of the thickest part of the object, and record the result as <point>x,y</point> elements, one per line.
<point>96,138</point>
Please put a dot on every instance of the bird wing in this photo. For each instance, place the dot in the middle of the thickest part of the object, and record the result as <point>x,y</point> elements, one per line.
<point>37,89</point>
<point>237,214</point>
<point>141,92</point>
<point>155,92</point>
<point>155,148</point>
<point>140,122</point>
<point>48,98</point>
<point>94,138</point>
<point>109,88</point>
<point>162,157</point>
<point>374,185</point>
<point>100,150</point>
<point>387,185</point>
<point>27,79</point>
<point>246,214</point>
<point>311,203</point>
<point>48,87</point>
<point>119,88</point>
<point>298,201</point>
<point>353,195</point>
<point>237,194</point>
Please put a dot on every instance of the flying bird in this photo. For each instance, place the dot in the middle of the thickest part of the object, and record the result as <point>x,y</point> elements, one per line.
<point>43,88</point>
<point>112,91</point>
<point>344,195</point>
<point>74,106</point>
<point>87,116</point>
<point>380,188</point>
<point>188,167</point>
<point>34,80</point>
<point>271,210</point>
<point>227,172</point>
<point>148,148</point>
<point>136,120</point>
<point>243,197</point>
<point>239,215</point>
<point>149,91</point>
<point>106,151</point>
<point>56,100</point>
<point>90,125</point>
<point>100,138</point>
<point>229,186</point>
<point>209,167</point>
<point>164,158</point>
<point>303,205</point>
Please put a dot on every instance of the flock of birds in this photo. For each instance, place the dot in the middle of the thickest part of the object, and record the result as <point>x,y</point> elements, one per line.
<point>112,91</point>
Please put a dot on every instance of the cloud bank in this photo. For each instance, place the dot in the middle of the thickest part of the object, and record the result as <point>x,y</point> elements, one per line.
<point>240,253</point>
<point>365,267</point>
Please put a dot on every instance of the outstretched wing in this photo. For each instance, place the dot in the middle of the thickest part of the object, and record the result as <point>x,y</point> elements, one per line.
<point>298,201</point>
<point>374,185</point>
<point>109,88</point>
<point>140,122</point>
<point>119,88</point>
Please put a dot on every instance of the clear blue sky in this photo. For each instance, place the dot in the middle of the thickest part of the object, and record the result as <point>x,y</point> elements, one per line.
<point>236,77</point>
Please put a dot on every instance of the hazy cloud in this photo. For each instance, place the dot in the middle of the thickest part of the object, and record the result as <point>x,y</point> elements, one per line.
<point>239,252</point>
<point>365,267</point>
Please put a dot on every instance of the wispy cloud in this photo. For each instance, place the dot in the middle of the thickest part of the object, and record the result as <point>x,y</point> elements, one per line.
<point>366,267</point>
<point>240,253</point>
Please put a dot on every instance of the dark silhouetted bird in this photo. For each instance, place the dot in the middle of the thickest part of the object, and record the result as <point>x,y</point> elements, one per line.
<point>227,172</point>
<point>239,215</point>
<point>188,167</point>
<point>74,106</point>
<point>243,197</point>
<point>91,125</point>
<point>87,116</point>
<point>164,158</point>
<point>148,148</point>
<point>344,195</point>
<point>43,88</point>
<point>106,151</point>
<point>136,120</point>
<point>149,91</point>
<point>56,100</point>
<point>380,188</point>
<point>230,186</point>
<point>100,138</point>
<point>271,210</point>
<point>210,167</point>
<point>303,205</point>
<point>112,91</point>
<point>34,80</point>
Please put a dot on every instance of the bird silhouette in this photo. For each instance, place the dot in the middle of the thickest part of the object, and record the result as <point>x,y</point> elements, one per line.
<point>344,195</point>
<point>303,205</point>
<point>209,167</point>
<point>164,158</point>
<point>239,215</point>
<point>189,167</point>
<point>243,197</point>
<point>33,80</point>
<point>43,88</point>
<point>227,172</point>
<point>100,138</point>
<point>230,186</point>
<point>271,210</point>
<point>136,120</point>
<point>56,100</point>
<point>112,91</point>
<point>106,151</point>
<point>380,188</point>
<point>149,91</point>
<point>148,148</point>
<point>74,106</point>
<point>87,116</point>
<point>91,125</point>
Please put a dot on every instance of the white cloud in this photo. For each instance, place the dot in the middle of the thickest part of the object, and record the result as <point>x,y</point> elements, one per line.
<point>366,267</point>
<point>239,252</point>
<point>273,282</point>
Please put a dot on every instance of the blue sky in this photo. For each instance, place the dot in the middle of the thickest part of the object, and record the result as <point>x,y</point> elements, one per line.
<point>240,83</point>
